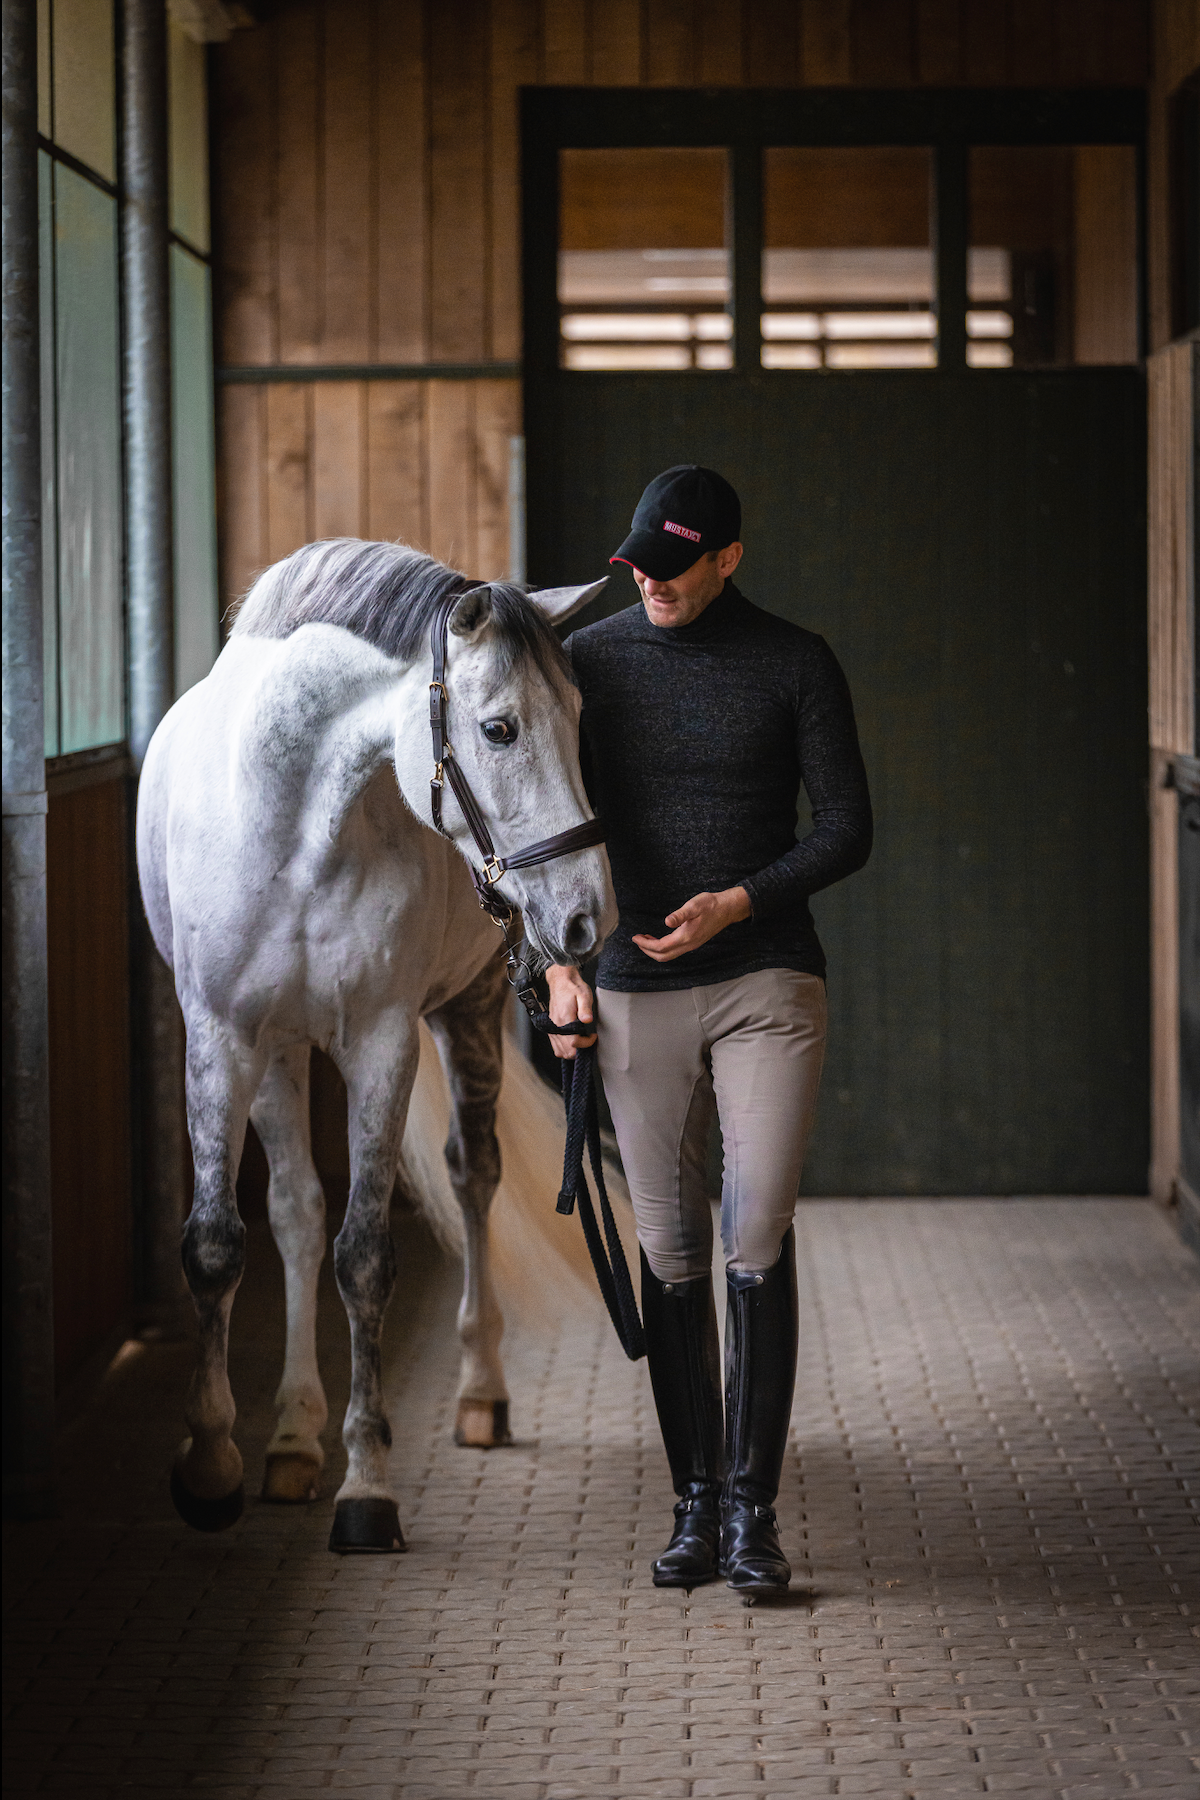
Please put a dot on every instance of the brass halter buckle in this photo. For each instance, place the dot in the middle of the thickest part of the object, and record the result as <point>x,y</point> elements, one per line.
<point>492,872</point>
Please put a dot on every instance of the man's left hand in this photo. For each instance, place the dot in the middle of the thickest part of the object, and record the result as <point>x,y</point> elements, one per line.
<point>695,922</point>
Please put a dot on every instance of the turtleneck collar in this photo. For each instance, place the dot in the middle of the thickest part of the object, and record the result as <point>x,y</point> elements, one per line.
<point>714,622</point>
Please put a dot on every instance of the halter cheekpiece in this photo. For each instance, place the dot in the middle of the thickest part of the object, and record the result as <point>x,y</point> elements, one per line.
<point>446,768</point>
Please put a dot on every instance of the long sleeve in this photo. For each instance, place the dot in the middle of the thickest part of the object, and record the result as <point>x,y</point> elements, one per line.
<point>835,780</point>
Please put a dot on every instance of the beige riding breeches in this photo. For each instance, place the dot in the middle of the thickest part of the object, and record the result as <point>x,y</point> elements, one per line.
<point>749,1050</point>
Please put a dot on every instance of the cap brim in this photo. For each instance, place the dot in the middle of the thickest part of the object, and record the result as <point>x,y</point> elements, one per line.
<point>655,554</point>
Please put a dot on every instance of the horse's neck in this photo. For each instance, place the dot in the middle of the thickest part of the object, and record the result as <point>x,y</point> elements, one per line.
<point>321,724</point>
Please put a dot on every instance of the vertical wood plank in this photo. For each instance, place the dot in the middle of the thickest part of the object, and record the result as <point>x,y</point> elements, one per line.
<point>349,226</point>
<point>1172,539</point>
<point>241,490</point>
<point>985,28</point>
<point>514,64</point>
<point>772,36</point>
<point>1077,45</point>
<point>87,927</point>
<point>401,307</point>
<point>450,410</point>
<point>289,466</point>
<point>497,419</point>
<point>616,43</point>
<point>1127,44</point>
<point>339,489</point>
<point>460,252</point>
<point>244,154</point>
<point>720,42</point>
<point>565,43</point>
<point>825,40</point>
<point>670,43</point>
<point>939,42</point>
<point>397,502</point>
<point>1165,1096</point>
<point>883,42</point>
<point>298,57</point>
<point>1033,60</point>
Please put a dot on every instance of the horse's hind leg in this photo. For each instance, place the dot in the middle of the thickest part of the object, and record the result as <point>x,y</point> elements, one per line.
<point>296,1206</point>
<point>206,1483</point>
<point>378,1083</point>
<point>468,1030</point>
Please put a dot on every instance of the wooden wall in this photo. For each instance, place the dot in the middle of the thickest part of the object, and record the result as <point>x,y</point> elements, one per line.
<point>367,199</point>
<point>1174,373</point>
<point>87,887</point>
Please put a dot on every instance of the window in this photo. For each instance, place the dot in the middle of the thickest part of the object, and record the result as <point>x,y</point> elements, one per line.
<point>643,268</point>
<point>1053,277</point>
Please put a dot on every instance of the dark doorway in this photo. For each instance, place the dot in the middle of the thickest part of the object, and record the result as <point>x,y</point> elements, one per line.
<point>910,338</point>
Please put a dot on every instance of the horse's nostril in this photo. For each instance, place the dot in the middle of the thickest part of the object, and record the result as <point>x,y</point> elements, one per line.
<point>579,938</point>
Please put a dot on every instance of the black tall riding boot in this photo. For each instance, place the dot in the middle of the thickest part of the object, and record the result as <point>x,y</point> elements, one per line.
<point>761,1330</point>
<point>685,1372</point>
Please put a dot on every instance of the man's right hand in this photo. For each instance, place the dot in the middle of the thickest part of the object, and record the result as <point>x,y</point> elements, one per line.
<point>570,998</point>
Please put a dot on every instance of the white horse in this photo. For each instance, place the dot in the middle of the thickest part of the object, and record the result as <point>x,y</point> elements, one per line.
<point>296,887</point>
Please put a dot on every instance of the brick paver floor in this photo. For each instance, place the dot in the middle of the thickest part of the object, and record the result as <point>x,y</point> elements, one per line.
<point>990,1502</point>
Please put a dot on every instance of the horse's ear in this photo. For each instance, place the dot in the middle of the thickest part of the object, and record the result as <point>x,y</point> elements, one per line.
<point>559,603</point>
<point>473,612</point>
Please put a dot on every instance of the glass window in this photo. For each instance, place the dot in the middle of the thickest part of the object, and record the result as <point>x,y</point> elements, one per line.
<point>88,396</point>
<point>188,113</point>
<point>1052,277</point>
<point>643,268</point>
<point>84,82</point>
<point>193,458</point>
<point>847,264</point>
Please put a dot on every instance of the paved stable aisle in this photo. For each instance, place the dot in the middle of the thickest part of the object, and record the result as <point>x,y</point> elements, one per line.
<point>990,1502</point>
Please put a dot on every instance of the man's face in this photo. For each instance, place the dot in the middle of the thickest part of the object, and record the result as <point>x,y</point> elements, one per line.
<point>680,601</point>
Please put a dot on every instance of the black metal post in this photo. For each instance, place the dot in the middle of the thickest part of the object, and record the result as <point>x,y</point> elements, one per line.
<point>744,237</point>
<point>950,226</point>
<point>28,1315</point>
<point>159,1139</point>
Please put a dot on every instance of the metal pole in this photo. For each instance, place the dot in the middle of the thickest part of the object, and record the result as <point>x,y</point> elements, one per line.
<point>159,1140</point>
<point>146,303</point>
<point>28,1314</point>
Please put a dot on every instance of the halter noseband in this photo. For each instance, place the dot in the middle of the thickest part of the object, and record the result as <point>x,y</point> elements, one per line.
<point>578,837</point>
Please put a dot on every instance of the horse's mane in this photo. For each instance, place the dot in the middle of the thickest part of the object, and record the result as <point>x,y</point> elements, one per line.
<point>388,595</point>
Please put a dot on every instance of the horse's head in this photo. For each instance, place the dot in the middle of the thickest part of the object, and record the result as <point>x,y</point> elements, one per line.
<point>512,714</point>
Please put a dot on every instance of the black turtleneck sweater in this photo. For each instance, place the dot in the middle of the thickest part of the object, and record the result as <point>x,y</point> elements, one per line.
<point>694,742</point>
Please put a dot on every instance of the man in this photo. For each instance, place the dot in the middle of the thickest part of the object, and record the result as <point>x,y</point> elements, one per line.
<point>701,717</point>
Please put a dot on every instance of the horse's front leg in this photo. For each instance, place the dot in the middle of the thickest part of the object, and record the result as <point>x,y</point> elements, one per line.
<point>206,1482</point>
<point>296,1207</point>
<point>468,1031</point>
<point>378,1086</point>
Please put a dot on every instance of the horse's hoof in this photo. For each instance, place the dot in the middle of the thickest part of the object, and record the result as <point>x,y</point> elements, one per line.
<point>207,1515</point>
<point>290,1478</point>
<point>366,1528</point>
<point>482,1424</point>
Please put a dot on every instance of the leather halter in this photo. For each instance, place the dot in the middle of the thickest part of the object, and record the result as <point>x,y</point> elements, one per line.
<point>577,837</point>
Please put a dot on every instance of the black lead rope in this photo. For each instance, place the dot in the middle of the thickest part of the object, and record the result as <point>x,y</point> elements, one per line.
<point>583,1128</point>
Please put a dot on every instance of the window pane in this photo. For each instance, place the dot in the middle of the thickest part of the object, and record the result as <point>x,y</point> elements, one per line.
<point>88,465</point>
<point>643,268</point>
<point>1052,276</point>
<point>49,505</point>
<point>196,641</point>
<point>847,265</point>
<point>84,82</point>
<point>188,114</point>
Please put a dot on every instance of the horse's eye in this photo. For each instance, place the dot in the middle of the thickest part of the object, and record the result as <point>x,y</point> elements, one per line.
<point>499,731</point>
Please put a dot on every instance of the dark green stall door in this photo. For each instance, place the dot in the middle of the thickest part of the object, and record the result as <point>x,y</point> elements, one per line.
<point>972,545</point>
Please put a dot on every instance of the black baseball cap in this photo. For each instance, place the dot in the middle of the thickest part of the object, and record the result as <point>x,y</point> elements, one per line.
<point>685,512</point>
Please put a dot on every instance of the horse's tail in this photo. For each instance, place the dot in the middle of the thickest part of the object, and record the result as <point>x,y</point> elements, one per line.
<point>539,1259</point>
